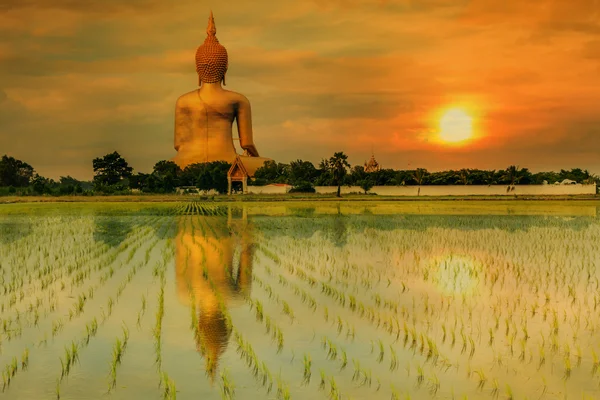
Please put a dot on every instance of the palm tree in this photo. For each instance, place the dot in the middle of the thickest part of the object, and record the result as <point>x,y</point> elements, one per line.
<point>490,177</point>
<point>338,166</point>
<point>514,175</point>
<point>464,176</point>
<point>419,176</point>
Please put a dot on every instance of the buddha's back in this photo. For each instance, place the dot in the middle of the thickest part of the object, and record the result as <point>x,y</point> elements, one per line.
<point>203,126</point>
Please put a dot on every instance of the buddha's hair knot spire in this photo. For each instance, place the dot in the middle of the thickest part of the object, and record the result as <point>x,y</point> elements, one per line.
<point>211,30</point>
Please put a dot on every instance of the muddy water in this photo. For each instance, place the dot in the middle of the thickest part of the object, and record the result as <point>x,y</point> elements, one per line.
<point>311,300</point>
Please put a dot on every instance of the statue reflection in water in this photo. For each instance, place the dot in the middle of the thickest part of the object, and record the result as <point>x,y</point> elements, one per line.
<point>214,256</point>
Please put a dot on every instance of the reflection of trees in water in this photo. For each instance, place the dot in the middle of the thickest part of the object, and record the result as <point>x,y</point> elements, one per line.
<point>112,230</point>
<point>214,267</point>
<point>336,228</point>
<point>14,229</point>
<point>302,211</point>
<point>337,231</point>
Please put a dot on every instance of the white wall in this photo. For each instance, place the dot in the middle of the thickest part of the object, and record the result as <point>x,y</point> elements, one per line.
<point>467,190</point>
<point>268,189</point>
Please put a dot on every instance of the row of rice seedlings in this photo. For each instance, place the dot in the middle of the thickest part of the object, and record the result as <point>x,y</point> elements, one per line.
<point>271,327</point>
<point>169,388</point>
<point>142,312</point>
<point>432,348</point>
<point>119,346</point>
<point>25,274</point>
<point>77,309</point>
<point>58,325</point>
<point>160,312</point>
<point>71,357</point>
<point>259,368</point>
<point>227,386</point>
<point>432,351</point>
<point>468,342</point>
<point>117,356</point>
<point>10,370</point>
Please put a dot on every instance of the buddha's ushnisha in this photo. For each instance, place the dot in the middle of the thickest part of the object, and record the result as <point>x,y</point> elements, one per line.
<point>211,57</point>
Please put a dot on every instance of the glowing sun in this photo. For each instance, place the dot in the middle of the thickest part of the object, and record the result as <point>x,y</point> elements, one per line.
<point>456,126</point>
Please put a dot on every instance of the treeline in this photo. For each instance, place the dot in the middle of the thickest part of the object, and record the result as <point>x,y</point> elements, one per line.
<point>113,175</point>
<point>300,172</point>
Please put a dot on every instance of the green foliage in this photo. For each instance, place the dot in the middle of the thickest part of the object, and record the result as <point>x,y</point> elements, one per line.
<point>337,166</point>
<point>302,187</point>
<point>273,172</point>
<point>113,176</point>
<point>365,184</point>
<point>14,172</point>
<point>165,178</point>
<point>110,172</point>
<point>301,172</point>
<point>207,176</point>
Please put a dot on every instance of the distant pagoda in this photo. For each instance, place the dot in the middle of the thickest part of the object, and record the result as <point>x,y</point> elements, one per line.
<point>372,165</point>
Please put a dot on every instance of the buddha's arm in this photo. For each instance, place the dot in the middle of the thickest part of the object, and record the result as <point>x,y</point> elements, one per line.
<point>244,125</point>
<point>183,124</point>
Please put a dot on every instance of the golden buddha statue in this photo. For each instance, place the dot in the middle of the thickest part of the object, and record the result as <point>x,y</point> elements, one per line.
<point>205,273</point>
<point>204,117</point>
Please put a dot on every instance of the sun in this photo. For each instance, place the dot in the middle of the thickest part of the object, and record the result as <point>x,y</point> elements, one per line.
<point>455,126</point>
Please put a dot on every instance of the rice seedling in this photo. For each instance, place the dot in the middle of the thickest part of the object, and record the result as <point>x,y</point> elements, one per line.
<point>169,389</point>
<point>495,388</point>
<point>25,359</point>
<point>323,379</point>
<point>509,393</point>
<point>307,369</point>
<point>482,378</point>
<point>228,387</point>
<point>420,374</point>
<point>434,384</point>
<point>567,367</point>
<point>381,351</point>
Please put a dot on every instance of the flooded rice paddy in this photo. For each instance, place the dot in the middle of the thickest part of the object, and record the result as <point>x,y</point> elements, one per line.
<point>448,300</point>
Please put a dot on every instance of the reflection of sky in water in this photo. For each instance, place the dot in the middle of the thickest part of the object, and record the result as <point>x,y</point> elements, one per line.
<point>456,274</point>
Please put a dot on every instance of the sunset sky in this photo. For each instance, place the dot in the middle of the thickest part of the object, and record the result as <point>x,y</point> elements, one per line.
<point>80,79</point>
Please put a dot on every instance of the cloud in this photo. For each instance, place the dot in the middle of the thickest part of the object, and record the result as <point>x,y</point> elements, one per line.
<point>81,79</point>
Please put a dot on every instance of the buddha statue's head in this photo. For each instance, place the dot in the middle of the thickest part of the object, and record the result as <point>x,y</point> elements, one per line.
<point>211,57</point>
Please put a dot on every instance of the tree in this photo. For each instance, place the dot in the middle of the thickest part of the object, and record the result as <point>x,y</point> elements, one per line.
<point>575,174</point>
<point>111,170</point>
<point>272,172</point>
<point>357,174</point>
<point>15,172</point>
<point>338,167</point>
<point>207,176</point>
<point>139,181</point>
<point>41,185</point>
<point>301,171</point>
<point>512,175</point>
<point>167,176</point>
<point>69,185</point>
<point>490,177</point>
<point>365,184</point>
<point>464,176</point>
<point>419,177</point>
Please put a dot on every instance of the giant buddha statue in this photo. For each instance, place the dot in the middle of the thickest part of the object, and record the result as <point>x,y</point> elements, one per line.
<point>204,117</point>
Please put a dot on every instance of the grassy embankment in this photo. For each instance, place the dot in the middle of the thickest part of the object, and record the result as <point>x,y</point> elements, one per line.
<point>161,198</point>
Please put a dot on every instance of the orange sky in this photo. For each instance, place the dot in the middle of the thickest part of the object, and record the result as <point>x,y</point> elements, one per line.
<point>79,79</point>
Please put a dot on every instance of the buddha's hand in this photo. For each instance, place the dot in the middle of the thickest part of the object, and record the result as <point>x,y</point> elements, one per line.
<point>251,151</point>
